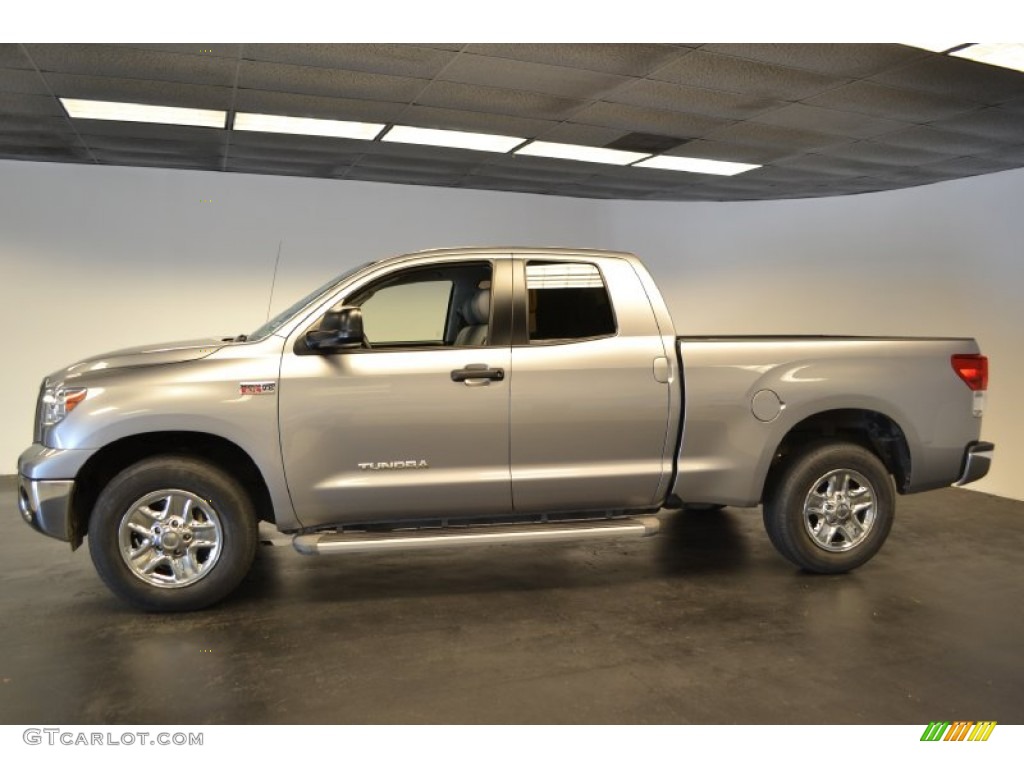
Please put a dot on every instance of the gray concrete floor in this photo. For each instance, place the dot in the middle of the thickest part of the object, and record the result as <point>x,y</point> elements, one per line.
<point>703,624</point>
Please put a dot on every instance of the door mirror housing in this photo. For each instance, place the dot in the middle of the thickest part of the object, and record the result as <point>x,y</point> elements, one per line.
<point>339,329</point>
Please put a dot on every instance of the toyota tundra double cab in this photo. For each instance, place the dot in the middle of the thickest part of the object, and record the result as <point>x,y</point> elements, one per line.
<point>473,396</point>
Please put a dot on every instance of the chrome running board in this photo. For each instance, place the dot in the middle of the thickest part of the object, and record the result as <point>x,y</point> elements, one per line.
<point>328,543</point>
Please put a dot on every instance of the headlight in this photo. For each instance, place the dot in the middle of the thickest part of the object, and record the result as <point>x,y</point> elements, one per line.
<point>55,402</point>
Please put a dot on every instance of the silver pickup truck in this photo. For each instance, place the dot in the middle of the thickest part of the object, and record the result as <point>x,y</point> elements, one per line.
<point>486,395</point>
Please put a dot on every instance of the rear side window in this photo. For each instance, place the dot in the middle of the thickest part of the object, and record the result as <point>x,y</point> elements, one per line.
<point>567,301</point>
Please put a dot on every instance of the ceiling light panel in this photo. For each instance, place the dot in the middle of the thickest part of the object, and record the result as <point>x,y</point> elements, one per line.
<point>482,142</point>
<point>579,152</point>
<point>85,109</point>
<point>696,165</point>
<point>935,47</point>
<point>1008,55</point>
<point>306,126</point>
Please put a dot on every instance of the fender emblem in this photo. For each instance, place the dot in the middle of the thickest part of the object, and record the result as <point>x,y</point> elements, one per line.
<point>374,466</point>
<point>257,387</point>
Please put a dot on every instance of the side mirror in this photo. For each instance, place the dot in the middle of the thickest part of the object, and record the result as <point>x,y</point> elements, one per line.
<point>338,330</point>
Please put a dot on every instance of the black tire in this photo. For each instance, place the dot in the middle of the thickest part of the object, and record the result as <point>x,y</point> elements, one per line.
<point>212,542</point>
<point>835,533</point>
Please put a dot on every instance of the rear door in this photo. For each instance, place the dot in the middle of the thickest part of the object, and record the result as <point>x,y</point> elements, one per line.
<point>416,425</point>
<point>589,417</point>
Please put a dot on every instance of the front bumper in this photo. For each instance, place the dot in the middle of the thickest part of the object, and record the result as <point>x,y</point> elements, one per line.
<point>46,505</point>
<point>977,460</point>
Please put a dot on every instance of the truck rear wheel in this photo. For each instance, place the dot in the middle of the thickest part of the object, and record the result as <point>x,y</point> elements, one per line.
<point>832,507</point>
<point>172,533</point>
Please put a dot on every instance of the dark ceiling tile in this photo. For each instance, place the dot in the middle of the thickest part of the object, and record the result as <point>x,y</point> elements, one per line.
<point>578,133</point>
<point>388,176</point>
<point>959,78</point>
<point>478,98</point>
<point>215,50</point>
<point>385,59</point>
<point>270,166</point>
<point>148,131</point>
<point>835,59</point>
<point>132,63</point>
<point>22,81</point>
<point>636,59</point>
<point>319,107</point>
<point>106,146</point>
<point>441,46</point>
<point>28,142</point>
<point>335,83</point>
<point>990,123</point>
<point>699,101</point>
<point>1014,153</point>
<point>507,185</point>
<point>948,142</point>
<point>885,154</point>
<point>13,57</point>
<point>761,134</point>
<point>159,160</point>
<point>265,144</point>
<point>831,121</point>
<point>29,124</point>
<point>728,73</point>
<point>416,165</point>
<point>520,171</point>
<point>140,91</point>
<point>68,154</point>
<point>483,122</point>
<point>835,166</point>
<point>530,76</point>
<point>731,152</point>
<point>29,104</point>
<point>893,103</point>
<point>418,154</point>
<point>972,166</point>
<point>630,118</point>
<point>1013,105</point>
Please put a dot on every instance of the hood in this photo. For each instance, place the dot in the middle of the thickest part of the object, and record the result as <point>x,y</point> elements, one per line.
<point>153,354</point>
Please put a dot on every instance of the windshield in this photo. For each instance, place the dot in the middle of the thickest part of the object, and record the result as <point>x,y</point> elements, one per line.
<point>283,317</point>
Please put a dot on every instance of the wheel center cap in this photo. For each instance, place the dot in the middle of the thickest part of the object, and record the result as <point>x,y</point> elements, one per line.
<point>170,539</point>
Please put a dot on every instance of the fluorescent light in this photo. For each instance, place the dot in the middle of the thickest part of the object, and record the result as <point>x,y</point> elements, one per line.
<point>696,165</point>
<point>1008,55</point>
<point>483,142</point>
<point>143,113</point>
<point>306,126</point>
<point>936,47</point>
<point>579,152</point>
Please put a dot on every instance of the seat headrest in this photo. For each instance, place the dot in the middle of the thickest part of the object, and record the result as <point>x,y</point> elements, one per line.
<point>478,308</point>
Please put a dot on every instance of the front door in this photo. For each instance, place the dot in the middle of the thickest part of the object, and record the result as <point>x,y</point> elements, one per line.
<point>415,425</point>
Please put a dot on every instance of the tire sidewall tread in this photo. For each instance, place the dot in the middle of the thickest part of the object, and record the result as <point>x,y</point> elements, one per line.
<point>783,507</point>
<point>228,498</point>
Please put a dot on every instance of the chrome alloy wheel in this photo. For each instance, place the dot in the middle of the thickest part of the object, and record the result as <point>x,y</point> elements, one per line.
<point>839,510</point>
<point>170,538</point>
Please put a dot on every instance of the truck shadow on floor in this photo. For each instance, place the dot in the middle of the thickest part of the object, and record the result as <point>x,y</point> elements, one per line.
<point>691,543</point>
<point>695,542</point>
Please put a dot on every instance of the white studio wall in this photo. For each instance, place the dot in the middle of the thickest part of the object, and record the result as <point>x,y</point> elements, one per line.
<point>96,258</point>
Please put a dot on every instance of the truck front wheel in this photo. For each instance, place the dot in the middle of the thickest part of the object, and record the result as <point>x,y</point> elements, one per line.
<point>832,507</point>
<point>172,533</point>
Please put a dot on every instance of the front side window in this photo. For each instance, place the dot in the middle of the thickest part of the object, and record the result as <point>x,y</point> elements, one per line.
<point>427,307</point>
<point>567,301</point>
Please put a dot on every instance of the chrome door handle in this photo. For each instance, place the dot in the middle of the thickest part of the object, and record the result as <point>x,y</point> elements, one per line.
<point>471,372</point>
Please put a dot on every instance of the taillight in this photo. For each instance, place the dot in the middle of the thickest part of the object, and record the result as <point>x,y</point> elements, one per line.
<point>973,369</point>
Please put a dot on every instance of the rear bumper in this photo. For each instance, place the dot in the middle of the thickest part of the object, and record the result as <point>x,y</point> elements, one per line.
<point>977,460</point>
<point>46,505</point>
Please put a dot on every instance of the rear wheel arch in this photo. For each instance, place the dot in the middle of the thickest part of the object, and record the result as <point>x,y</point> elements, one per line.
<point>875,431</point>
